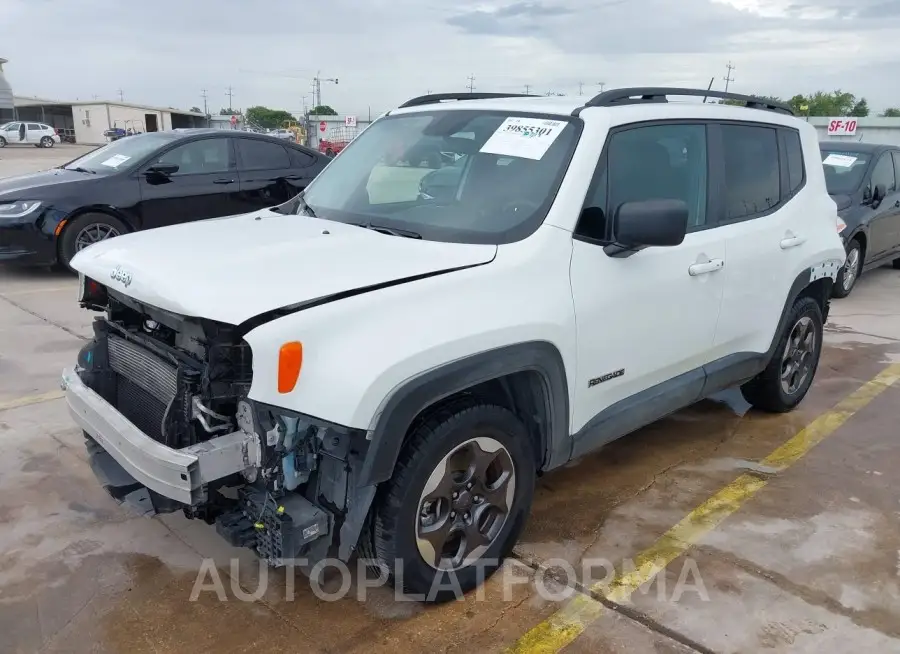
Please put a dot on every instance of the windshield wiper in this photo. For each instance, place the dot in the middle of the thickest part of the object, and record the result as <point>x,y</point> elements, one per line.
<point>393,231</point>
<point>79,169</point>
<point>305,208</point>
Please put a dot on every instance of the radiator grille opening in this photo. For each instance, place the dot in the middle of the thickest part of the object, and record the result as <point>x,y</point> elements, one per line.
<point>142,409</point>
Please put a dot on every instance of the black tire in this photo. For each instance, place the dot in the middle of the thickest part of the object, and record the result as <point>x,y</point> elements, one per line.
<point>765,391</point>
<point>2,142</point>
<point>841,288</point>
<point>46,142</point>
<point>390,540</point>
<point>67,243</point>
<point>896,264</point>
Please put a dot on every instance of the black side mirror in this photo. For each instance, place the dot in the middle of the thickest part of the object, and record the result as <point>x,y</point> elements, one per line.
<point>162,169</point>
<point>878,195</point>
<point>649,223</point>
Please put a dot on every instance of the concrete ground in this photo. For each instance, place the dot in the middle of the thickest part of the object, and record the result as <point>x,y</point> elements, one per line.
<point>21,159</point>
<point>717,530</point>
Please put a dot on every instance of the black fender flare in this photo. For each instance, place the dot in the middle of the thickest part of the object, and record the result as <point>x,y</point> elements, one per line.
<point>410,399</point>
<point>803,281</point>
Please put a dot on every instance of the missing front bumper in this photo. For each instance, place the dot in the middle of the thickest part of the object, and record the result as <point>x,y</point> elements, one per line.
<point>180,475</point>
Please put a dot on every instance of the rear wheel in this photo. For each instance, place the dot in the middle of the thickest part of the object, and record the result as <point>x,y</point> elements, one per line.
<point>86,230</point>
<point>896,264</point>
<point>787,378</point>
<point>457,502</point>
<point>848,275</point>
<point>47,142</point>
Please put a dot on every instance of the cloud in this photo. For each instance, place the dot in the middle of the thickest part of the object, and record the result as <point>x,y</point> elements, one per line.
<point>384,52</point>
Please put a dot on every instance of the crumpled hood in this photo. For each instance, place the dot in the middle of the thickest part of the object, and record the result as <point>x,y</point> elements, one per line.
<point>232,269</point>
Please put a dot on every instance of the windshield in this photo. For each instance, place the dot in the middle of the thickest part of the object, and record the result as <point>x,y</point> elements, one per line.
<point>453,175</point>
<point>844,171</point>
<point>121,154</point>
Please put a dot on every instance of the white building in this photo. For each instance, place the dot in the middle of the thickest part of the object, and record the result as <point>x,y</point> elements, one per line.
<point>90,119</point>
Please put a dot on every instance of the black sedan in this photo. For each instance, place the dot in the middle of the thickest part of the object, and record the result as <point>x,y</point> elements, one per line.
<point>147,180</point>
<point>864,181</point>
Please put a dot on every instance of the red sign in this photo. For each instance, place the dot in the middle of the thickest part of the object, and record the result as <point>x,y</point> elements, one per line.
<point>323,126</point>
<point>234,120</point>
<point>842,126</point>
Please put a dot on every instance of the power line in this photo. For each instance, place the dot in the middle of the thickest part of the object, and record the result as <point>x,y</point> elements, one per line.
<point>471,79</point>
<point>728,78</point>
<point>229,93</point>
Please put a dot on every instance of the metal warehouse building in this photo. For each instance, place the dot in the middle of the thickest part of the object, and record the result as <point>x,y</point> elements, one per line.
<point>90,119</point>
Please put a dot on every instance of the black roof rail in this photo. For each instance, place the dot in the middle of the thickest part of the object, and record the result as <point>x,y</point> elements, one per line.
<point>640,95</point>
<point>434,98</point>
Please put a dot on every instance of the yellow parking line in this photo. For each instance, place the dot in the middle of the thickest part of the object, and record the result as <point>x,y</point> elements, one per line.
<point>568,623</point>
<point>31,399</point>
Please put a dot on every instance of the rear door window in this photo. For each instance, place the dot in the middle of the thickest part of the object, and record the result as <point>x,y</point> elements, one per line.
<point>262,155</point>
<point>752,171</point>
<point>34,127</point>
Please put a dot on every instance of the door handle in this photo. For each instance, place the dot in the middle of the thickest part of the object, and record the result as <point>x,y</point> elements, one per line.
<point>223,181</point>
<point>791,242</point>
<point>706,267</point>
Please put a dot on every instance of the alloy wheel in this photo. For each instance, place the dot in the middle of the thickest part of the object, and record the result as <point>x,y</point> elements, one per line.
<point>851,269</point>
<point>465,503</point>
<point>799,355</point>
<point>94,233</point>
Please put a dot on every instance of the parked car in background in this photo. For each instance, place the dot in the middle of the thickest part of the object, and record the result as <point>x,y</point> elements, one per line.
<point>285,134</point>
<point>39,135</point>
<point>864,181</point>
<point>143,181</point>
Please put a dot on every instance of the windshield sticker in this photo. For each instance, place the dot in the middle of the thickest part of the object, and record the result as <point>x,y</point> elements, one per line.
<point>840,160</point>
<point>115,161</point>
<point>529,138</point>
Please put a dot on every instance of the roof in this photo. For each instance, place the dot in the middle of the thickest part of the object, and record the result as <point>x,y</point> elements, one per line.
<point>566,106</point>
<point>854,146</point>
<point>23,101</point>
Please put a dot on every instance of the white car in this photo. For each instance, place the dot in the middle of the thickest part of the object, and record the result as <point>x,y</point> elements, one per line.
<point>371,368</point>
<point>27,133</point>
<point>282,134</point>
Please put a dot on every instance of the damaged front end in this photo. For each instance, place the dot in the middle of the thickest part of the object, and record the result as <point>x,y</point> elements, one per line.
<point>163,401</point>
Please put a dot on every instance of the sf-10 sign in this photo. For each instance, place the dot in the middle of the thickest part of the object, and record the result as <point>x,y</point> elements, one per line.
<point>842,127</point>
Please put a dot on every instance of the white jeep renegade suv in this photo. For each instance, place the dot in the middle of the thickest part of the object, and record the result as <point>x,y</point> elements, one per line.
<point>478,289</point>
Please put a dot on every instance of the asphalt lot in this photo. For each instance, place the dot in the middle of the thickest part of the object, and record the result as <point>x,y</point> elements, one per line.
<point>728,530</point>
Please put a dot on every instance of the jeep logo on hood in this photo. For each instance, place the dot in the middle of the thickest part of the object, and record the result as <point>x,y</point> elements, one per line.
<point>121,275</point>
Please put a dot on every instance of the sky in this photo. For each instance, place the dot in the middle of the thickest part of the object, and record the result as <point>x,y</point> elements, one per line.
<point>165,52</point>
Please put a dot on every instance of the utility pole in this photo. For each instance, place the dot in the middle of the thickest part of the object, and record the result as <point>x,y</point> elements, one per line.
<point>229,93</point>
<point>580,88</point>
<point>527,89</point>
<point>471,79</point>
<point>205,107</point>
<point>121,95</point>
<point>728,78</point>
<point>317,87</point>
<point>601,85</point>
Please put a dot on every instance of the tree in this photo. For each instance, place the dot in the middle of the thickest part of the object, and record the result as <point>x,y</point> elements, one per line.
<point>196,110</point>
<point>229,112</point>
<point>764,98</point>
<point>835,103</point>
<point>322,110</point>
<point>268,118</point>
<point>891,112</point>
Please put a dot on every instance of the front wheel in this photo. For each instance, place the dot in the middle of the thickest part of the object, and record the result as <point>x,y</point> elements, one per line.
<point>848,275</point>
<point>457,502</point>
<point>86,230</point>
<point>786,380</point>
<point>2,142</point>
<point>896,264</point>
